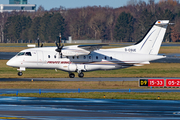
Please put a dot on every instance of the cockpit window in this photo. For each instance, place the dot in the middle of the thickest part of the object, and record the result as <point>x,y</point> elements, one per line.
<point>21,53</point>
<point>24,53</point>
<point>28,54</point>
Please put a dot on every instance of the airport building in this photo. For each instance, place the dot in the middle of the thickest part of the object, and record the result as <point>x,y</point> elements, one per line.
<point>17,1</point>
<point>17,5</point>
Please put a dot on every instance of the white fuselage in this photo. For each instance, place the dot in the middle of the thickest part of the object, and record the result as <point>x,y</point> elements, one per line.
<point>103,59</point>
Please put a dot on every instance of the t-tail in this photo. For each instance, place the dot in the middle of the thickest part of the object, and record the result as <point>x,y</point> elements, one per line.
<point>151,42</point>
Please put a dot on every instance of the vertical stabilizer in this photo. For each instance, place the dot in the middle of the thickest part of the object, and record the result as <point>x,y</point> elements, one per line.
<point>151,42</point>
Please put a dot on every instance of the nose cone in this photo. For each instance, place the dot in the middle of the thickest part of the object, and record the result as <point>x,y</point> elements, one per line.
<point>10,63</point>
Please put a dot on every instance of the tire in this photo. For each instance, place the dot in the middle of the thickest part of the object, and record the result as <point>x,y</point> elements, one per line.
<point>71,75</point>
<point>20,73</point>
<point>81,75</point>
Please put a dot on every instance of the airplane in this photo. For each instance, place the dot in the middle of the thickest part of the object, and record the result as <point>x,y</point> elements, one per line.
<point>84,58</point>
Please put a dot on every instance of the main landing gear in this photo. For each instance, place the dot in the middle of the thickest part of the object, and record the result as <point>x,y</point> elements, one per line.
<point>72,75</point>
<point>81,75</point>
<point>20,73</point>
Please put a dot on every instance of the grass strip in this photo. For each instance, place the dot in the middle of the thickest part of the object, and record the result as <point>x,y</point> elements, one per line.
<point>12,49</point>
<point>108,95</point>
<point>73,85</point>
<point>70,85</point>
<point>169,49</point>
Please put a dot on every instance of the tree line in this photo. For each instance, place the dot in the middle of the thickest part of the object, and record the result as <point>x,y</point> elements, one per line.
<point>46,28</point>
<point>124,24</point>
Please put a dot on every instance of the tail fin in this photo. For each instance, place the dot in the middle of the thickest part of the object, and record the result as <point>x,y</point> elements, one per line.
<point>151,42</point>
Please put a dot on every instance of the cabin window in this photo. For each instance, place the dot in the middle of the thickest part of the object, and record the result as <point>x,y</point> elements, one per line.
<point>89,57</point>
<point>77,57</point>
<point>110,58</point>
<point>49,56</point>
<point>105,58</point>
<point>28,54</point>
<point>21,53</point>
<point>96,57</point>
<point>73,57</point>
<point>54,56</point>
<point>67,57</point>
<point>84,57</point>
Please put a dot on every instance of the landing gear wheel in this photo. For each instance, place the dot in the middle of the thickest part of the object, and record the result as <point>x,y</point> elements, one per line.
<point>20,73</point>
<point>81,75</point>
<point>71,75</point>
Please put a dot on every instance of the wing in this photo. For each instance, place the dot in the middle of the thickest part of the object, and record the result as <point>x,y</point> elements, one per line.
<point>92,47</point>
<point>78,50</point>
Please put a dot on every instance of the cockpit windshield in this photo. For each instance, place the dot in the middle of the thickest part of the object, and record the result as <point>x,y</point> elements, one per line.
<point>24,53</point>
<point>21,53</point>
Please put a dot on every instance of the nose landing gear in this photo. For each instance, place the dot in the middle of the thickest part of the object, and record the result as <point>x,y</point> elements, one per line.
<point>20,73</point>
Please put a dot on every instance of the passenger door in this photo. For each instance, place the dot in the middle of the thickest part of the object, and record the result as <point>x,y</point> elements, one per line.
<point>40,58</point>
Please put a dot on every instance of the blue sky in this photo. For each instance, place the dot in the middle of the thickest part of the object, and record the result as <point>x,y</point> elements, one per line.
<point>48,4</point>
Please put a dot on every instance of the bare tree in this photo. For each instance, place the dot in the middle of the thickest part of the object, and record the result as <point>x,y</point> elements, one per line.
<point>3,18</point>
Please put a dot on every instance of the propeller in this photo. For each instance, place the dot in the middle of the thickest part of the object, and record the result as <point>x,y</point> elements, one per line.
<point>39,43</point>
<point>59,47</point>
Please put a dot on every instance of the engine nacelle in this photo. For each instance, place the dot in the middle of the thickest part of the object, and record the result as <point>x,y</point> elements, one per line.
<point>72,67</point>
<point>77,52</point>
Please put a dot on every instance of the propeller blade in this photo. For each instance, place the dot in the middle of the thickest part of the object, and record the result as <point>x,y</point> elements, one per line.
<point>42,45</point>
<point>38,41</point>
<point>61,46</point>
<point>57,45</point>
<point>59,39</point>
<point>58,49</point>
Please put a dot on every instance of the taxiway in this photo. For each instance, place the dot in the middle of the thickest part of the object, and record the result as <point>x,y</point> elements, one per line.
<point>91,109</point>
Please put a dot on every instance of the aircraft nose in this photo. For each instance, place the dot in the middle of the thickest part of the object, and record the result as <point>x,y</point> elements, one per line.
<point>9,63</point>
